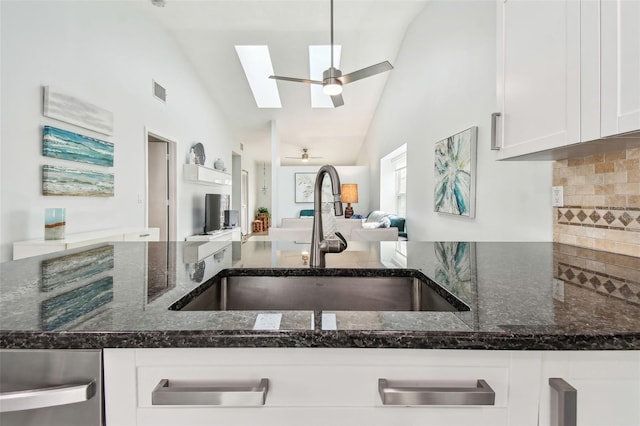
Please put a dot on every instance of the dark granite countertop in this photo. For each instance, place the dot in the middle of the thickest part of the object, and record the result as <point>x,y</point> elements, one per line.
<point>520,296</point>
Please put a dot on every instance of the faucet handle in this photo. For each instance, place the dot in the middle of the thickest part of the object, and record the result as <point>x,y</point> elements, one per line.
<point>341,238</point>
<point>332,245</point>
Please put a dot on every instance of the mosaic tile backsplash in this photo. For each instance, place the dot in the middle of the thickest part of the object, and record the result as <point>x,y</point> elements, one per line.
<point>601,202</point>
<point>607,273</point>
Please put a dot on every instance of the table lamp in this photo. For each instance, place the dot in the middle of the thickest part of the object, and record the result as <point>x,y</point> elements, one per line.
<point>349,195</point>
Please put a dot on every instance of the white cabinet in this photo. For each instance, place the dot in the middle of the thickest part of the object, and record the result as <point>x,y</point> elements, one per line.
<point>319,386</point>
<point>22,249</point>
<point>568,72</point>
<point>539,75</point>
<point>620,65</point>
<point>234,234</point>
<point>205,175</point>
<point>607,385</point>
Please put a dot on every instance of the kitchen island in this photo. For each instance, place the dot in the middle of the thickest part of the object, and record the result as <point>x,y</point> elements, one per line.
<point>531,296</point>
<point>534,311</point>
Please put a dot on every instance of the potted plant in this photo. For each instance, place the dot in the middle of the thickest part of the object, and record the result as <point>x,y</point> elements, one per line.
<point>263,211</point>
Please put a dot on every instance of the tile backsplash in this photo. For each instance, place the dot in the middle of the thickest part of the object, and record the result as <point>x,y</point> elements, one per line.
<point>601,202</point>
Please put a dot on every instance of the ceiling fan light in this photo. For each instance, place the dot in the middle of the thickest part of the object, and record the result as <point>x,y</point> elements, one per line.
<point>332,88</point>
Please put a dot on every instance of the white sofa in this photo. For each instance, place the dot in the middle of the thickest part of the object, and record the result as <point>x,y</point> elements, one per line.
<point>299,230</point>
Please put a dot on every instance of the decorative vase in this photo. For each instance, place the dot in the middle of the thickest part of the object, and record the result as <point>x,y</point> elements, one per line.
<point>218,164</point>
<point>54,224</point>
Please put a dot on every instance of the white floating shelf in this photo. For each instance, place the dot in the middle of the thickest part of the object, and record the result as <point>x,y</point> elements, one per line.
<point>197,173</point>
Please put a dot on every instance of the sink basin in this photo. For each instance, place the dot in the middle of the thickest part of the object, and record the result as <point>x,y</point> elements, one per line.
<point>401,290</point>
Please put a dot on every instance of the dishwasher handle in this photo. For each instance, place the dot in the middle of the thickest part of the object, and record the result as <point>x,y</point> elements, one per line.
<point>209,394</point>
<point>51,396</point>
<point>481,394</point>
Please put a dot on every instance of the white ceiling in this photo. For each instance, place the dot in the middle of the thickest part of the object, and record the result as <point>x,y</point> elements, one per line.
<point>370,31</point>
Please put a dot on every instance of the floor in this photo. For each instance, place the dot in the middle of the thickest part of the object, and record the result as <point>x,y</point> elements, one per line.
<point>261,236</point>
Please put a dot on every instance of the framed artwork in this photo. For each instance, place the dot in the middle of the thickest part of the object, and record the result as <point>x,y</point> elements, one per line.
<point>58,143</point>
<point>88,183</point>
<point>73,268</point>
<point>455,174</point>
<point>65,107</point>
<point>78,303</point>
<point>305,185</point>
<point>456,267</point>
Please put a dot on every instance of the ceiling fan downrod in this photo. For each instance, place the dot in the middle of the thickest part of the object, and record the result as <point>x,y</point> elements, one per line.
<point>331,85</point>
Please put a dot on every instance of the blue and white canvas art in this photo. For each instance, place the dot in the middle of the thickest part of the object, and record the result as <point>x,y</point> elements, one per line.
<point>64,181</point>
<point>74,268</point>
<point>456,267</point>
<point>58,143</point>
<point>455,162</point>
<point>69,307</point>
<point>70,109</point>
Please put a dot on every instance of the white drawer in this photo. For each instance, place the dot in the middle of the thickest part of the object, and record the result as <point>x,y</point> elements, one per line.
<point>149,234</point>
<point>328,386</point>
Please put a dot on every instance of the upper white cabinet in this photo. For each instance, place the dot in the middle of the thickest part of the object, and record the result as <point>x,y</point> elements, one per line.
<point>539,77</point>
<point>568,72</point>
<point>620,65</point>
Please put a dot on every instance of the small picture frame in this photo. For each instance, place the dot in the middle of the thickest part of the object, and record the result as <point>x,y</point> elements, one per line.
<point>305,188</point>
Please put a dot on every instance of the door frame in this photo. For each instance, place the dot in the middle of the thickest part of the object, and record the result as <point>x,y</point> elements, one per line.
<point>173,187</point>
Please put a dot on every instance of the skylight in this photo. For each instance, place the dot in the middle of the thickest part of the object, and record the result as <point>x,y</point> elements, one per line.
<point>256,63</point>
<point>320,60</point>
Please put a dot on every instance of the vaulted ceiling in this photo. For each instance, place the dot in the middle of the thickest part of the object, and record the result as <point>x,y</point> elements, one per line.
<point>369,31</point>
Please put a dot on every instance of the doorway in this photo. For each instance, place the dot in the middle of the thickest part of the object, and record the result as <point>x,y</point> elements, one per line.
<point>161,213</point>
<point>161,186</point>
<point>244,203</point>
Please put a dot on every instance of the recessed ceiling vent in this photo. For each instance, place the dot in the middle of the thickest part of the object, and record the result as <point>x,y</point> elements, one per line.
<point>159,92</point>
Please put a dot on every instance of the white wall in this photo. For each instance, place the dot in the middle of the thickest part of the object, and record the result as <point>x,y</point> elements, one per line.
<point>106,53</point>
<point>444,82</point>
<point>285,194</point>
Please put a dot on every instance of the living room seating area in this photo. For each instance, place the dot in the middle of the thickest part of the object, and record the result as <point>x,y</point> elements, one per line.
<point>377,226</point>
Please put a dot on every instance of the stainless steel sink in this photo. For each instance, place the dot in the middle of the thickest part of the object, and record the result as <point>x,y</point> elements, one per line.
<point>319,293</point>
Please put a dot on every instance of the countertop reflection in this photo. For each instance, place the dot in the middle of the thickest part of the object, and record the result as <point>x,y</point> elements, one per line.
<point>521,296</point>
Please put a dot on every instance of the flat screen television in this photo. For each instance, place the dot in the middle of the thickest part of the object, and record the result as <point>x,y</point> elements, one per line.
<point>214,207</point>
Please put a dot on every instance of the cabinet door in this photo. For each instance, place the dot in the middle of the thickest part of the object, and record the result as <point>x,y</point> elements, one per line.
<point>620,62</point>
<point>539,75</point>
<point>607,384</point>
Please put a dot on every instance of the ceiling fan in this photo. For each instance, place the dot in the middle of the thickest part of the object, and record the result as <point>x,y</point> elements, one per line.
<point>332,78</point>
<point>305,156</point>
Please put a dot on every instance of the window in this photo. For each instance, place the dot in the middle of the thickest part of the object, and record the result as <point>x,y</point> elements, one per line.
<point>400,172</point>
<point>393,182</point>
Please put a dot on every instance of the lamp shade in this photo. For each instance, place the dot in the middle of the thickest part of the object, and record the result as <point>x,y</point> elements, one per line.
<point>349,193</point>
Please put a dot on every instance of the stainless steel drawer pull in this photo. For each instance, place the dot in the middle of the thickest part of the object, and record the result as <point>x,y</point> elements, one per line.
<point>144,235</point>
<point>402,394</point>
<point>564,404</point>
<point>46,397</point>
<point>201,393</point>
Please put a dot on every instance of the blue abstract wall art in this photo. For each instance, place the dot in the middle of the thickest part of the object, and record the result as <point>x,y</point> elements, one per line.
<point>58,143</point>
<point>75,268</point>
<point>455,162</point>
<point>72,305</point>
<point>73,182</point>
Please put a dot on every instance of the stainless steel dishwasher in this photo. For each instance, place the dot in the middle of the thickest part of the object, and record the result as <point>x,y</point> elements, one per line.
<point>51,387</point>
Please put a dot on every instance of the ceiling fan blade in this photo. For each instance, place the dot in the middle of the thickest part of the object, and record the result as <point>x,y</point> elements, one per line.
<point>337,100</point>
<point>366,72</point>
<point>297,80</point>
